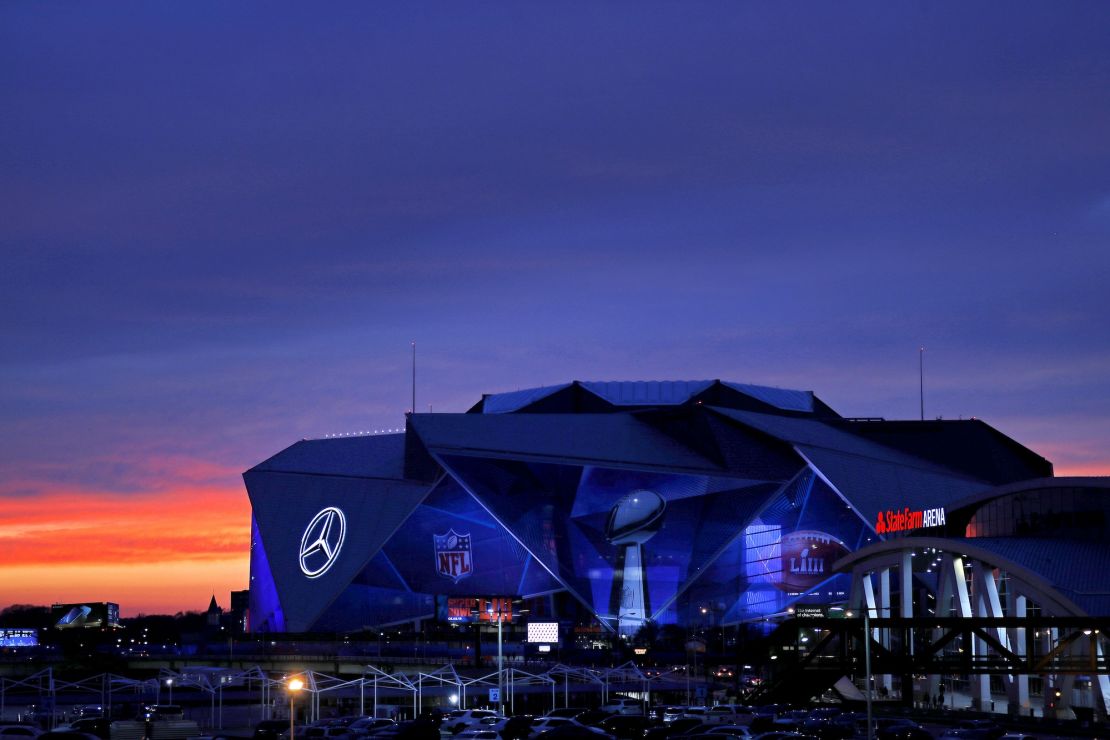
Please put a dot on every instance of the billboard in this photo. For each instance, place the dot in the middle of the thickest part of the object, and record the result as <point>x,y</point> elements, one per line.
<point>90,614</point>
<point>14,638</point>
<point>543,632</point>
<point>471,609</point>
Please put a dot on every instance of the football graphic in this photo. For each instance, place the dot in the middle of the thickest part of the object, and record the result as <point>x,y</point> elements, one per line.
<point>635,518</point>
<point>807,559</point>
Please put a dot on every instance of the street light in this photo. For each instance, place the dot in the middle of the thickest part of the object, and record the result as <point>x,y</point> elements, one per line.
<point>169,683</point>
<point>500,669</point>
<point>867,666</point>
<point>293,687</point>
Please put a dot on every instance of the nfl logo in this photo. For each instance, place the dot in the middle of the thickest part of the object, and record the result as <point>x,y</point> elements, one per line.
<point>453,556</point>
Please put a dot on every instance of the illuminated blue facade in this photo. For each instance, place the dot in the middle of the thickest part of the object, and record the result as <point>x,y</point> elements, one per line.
<point>680,502</point>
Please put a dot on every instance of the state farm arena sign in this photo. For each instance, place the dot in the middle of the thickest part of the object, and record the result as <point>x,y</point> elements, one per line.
<point>893,520</point>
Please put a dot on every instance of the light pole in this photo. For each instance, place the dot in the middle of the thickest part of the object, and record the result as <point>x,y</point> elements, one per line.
<point>169,683</point>
<point>500,669</point>
<point>293,687</point>
<point>867,667</point>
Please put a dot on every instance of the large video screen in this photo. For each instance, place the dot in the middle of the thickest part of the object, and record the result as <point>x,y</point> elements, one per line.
<point>17,638</point>
<point>475,609</point>
<point>638,545</point>
<point>783,556</point>
<point>629,546</point>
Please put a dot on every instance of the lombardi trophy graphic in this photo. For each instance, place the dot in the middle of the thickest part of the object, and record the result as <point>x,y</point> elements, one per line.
<point>632,522</point>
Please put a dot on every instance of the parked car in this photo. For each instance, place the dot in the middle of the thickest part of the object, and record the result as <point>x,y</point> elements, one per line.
<point>366,725</point>
<point>907,730</point>
<point>681,726</point>
<point>10,731</point>
<point>517,726</point>
<point>992,730</point>
<point>627,726</point>
<point>623,706</point>
<point>592,717</point>
<point>726,714</point>
<point>544,724</point>
<point>822,722</point>
<point>327,732</point>
<point>68,735</point>
<point>670,714</point>
<point>736,731</point>
<point>462,719</point>
<point>575,731</point>
<point>416,729</point>
<point>99,726</point>
<point>269,729</point>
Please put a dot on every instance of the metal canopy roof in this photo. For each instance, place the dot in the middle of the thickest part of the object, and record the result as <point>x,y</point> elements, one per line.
<point>367,456</point>
<point>617,394</point>
<point>615,439</point>
<point>646,392</point>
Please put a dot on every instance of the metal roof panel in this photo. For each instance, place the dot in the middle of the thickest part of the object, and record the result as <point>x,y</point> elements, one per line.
<point>781,398</point>
<point>504,403</point>
<point>368,456</point>
<point>646,392</point>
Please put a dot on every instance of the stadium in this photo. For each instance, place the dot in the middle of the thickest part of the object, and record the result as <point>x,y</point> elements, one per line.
<point>615,503</point>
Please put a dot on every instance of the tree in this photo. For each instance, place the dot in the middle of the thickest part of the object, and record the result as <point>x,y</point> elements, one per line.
<point>25,616</point>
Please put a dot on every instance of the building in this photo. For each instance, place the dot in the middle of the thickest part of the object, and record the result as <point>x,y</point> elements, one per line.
<point>607,504</point>
<point>1020,582</point>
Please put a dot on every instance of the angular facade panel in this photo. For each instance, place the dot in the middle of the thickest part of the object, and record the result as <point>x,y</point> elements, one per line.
<point>318,532</point>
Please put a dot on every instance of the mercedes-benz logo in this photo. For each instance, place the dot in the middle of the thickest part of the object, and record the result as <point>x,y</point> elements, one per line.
<point>322,540</point>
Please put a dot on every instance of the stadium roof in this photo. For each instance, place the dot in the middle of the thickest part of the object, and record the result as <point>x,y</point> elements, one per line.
<point>711,427</point>
<point>368,456</point>
<point>613,395</point>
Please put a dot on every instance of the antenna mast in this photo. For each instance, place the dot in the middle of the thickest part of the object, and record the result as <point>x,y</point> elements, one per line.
<point>412,409</point>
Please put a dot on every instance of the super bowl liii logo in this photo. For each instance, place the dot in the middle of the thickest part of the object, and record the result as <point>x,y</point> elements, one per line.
<point>454,558</point>
<point>807,557</point>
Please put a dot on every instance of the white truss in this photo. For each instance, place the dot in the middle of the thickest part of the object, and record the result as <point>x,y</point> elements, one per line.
<point>970,582</point>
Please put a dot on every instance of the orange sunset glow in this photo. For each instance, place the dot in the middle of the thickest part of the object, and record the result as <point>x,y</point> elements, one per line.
<point>151,553</point>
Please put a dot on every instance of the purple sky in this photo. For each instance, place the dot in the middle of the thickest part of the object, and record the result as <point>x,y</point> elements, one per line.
<point>223,223</point>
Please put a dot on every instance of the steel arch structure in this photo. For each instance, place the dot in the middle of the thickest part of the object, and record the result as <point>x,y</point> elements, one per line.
<point>938,604</point>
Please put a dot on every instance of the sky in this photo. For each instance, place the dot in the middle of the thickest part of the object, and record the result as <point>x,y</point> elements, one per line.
<point>223,224</point>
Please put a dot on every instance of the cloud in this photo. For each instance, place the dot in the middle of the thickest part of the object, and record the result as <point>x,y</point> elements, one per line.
<point>88,527</point>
